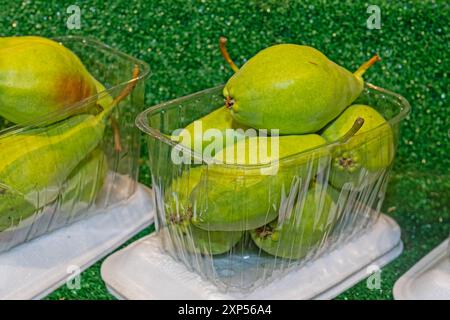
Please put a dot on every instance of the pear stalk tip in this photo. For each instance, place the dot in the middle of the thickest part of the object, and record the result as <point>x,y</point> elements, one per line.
<point>223,49</point>
<point>366,65</point>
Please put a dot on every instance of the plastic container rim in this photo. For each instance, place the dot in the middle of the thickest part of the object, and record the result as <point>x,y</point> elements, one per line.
<point>142,124</point>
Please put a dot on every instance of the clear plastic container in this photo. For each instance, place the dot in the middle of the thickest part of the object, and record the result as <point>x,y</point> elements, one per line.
<point>240,229</point>
<point>55,174</point>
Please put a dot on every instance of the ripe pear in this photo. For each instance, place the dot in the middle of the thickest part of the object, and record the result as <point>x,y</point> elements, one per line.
<point>104,99</point>
<point>35,162</point>
<point>293,88</point>
<point>185,236</point>
<point>84,183</point>
<point>180,232</point>
<point>302,230</point>
<point>219,124</point>
<point>40,77</point>
<point>177,203</point>
<point>243,193</point>
<point>364,157</point>
<point>13,208</point>
<point>77,194</point>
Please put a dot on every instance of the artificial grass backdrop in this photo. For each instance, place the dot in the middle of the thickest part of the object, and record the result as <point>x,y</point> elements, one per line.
<point>179,39</point>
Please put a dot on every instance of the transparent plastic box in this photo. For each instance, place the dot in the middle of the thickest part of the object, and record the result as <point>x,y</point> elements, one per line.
<point>97,165</point>
<point>240,229</point>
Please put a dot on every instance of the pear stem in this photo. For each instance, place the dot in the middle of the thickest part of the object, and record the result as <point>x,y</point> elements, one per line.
<point>226,56</point>
<point>116,132</point>
<point>353,130</point>
<point>366,65</point>
<point>127,90</point>
<point>122,95</point>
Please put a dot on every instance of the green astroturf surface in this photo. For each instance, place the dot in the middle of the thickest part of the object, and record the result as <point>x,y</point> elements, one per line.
<point>179,41</point>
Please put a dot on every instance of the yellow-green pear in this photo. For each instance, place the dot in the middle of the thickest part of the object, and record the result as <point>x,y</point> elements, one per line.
<point>41,78</point>
<point>364,157</point>
<point>301,230</point>
<point>212,132</point>
<point>186,236</point>
<point>83,185</point>
<point>244,189</point>
<point>178,228</point>
<point>36,161</point>
<point>293,88</point>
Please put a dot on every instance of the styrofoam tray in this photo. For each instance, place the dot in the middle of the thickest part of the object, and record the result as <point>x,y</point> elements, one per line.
<point>429,279</point>
<point>36,268</point>
<point>143,271</point>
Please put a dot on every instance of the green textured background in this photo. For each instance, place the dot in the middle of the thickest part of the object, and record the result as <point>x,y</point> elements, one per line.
<point>179,41</point>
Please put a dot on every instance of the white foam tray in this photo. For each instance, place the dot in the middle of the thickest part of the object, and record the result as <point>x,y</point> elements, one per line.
<point>36,268</point>
<point>143,271</point>
<point>429,279</point>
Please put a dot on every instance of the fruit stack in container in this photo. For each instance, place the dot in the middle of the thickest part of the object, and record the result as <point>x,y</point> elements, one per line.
<point>295,163</point>
<point>64,143</point>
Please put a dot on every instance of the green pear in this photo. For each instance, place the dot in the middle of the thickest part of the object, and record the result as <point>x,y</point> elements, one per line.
<point>301,230</point>
<point>35,162</point>
<point>84,183</point>
<point>77,194</point>
<point>14,205</point>
<point>177,203</point>
<point>181,232</point>
<point>104,98</point>
<point>13,208</point>
<point>186,236</point>
<point>364,157</point>
<point>3,124</point>
<point>243,193</point>
<point>40,77</point>
<point>293,88</point>
<point>202,133</point>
